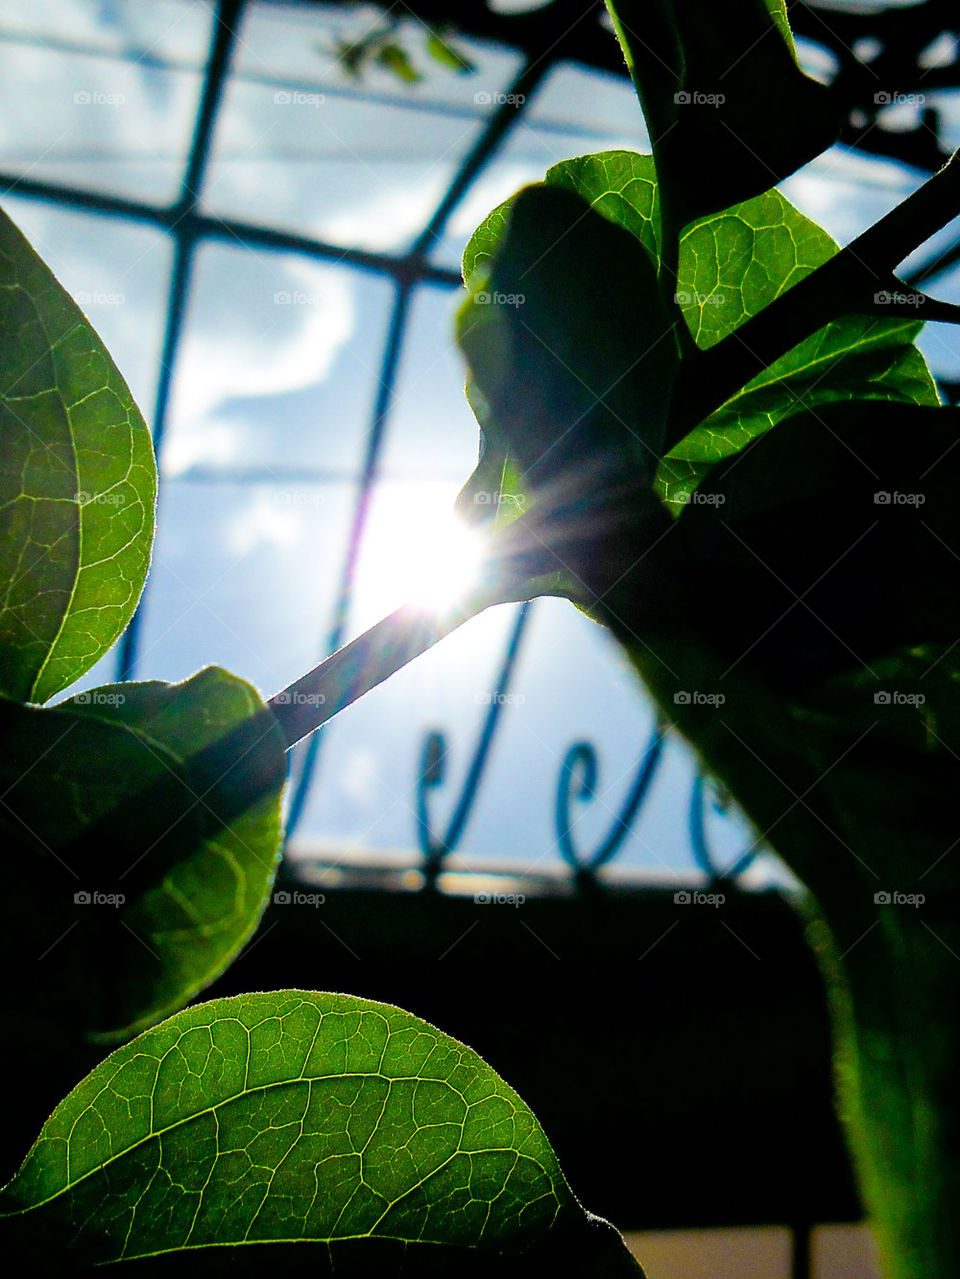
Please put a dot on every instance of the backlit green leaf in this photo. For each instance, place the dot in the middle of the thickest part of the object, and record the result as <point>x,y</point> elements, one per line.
<point>727,107</point>
<point>572,352</point>
<point>731,266</point>
<point>296,1116</point>
<point>77,484</point>
<point>141,828</point>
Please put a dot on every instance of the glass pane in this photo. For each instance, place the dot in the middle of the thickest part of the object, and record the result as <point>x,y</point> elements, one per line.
<point>360,162</point>
<point>106,124</point>
<point>244,576</point>
<point>574,112</point>
<point>173,30</point>
<point>279,365</point>
<point>432,432</point>
<point>297,43</point>
<point>325,166</point>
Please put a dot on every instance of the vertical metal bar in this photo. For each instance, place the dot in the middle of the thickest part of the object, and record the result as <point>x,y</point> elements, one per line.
<point>436,847</point>
<point>502,122</point>
<point>225,23</point>
<point>310,751</point>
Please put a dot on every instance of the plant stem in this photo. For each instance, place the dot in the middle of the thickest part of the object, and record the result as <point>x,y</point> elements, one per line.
<point>363,664</point>
<point>516,561</point>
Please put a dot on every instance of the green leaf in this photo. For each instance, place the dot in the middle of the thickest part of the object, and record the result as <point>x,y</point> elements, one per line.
<point>77,484</point>
<point>731,266</point>
<point>572,353</point>
<point>727,106</point>
<point>622,185</point>
<point>734,264</point>
<point>164,797</point>
<point>296,1116</point>
<point>395,58</point>
<point>447,54</point>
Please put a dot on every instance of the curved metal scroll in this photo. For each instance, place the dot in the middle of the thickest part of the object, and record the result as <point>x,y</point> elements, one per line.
<point>579,769</point>
<point>432,772</point>
<point>698,837</point>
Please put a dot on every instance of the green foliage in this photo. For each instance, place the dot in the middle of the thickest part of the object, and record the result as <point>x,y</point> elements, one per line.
<point>569,345</point>
<point>697,425</point>
<point>77,484</point>
<point>165,796</point>
<point>731,265</point>
<point>794,556</point>
<point>294,1116</point>
<point>727,106</point>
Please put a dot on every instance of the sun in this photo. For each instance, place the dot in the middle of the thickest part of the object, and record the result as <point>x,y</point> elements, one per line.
<point>415,550</point>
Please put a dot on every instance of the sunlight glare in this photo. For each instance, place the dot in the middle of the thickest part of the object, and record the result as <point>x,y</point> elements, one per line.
<point>416,550</point>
